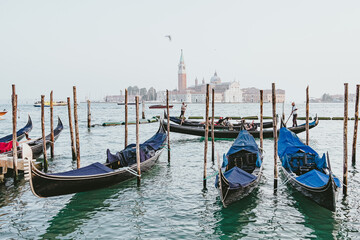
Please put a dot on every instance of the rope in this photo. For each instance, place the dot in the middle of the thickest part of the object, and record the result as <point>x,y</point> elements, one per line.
<point>165,146</point>
<point>132,172</point>
<point>216,173</point>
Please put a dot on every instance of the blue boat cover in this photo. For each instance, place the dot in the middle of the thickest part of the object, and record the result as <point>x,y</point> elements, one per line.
<point>236,178</point>
<point>92,169</point>
<point>289,144</point>
<point>245,141</point>
<point>315,178</point>
<point>127,157</point>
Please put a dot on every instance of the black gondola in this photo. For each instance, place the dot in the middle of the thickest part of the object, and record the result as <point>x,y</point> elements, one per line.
<point>236,126</point>
<point>306,171</point>
<point>20,133</point>
<point>37,144</point>
<point>241,169</point>
<point>117,168</point>
<point>234,133</point>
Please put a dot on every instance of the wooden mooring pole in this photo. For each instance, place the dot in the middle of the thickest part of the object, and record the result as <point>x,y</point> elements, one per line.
<point>345,169</point>
<point>73,151</point>
<point>353,155</point>
<point>14,138</point>
<point>168,123</point>
<point>88,114</point>
<point>307,115</point>
<point>126,117</point>
<point>137,142</point>
<point>275,136</point>
<point>51,125</point>
<point>212,126</point>
<point>261,119</point>
<point>206,134</point>
<point>76,130</point>
<point>143,109</point>
<point>43,132</point>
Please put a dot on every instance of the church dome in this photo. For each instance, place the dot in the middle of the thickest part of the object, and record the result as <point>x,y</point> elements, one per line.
<point>215,79</point>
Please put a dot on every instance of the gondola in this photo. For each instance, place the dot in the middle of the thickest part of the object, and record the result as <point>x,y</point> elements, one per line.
<point>117,168</point>
<point>20,133</point>
<point>159,106</point>
<point>37,144</point>
<point>237,126</point>
<point>241,169</point>
<point>306,171</point>
<point>129,103</point>
<point>268,133</point>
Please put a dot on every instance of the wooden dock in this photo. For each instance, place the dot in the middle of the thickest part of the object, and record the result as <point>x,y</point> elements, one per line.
<point>6,162</point>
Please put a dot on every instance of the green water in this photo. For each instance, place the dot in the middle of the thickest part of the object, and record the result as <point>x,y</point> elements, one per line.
<point>170,203</point>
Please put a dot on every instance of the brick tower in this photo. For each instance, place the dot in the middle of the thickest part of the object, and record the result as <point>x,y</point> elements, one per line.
<point>181,74</point>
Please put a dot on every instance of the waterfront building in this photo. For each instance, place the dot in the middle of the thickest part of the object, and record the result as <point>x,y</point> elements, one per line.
<point>252,94</point>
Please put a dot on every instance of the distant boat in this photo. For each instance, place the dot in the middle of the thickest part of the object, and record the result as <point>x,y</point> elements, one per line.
<point>47,103</point>
<point>3,113</point>
<point>129,103</point>
<point>159,106</point>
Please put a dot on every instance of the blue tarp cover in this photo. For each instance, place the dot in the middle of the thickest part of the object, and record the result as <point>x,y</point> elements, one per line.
<point>237,177</point>
<point>289,144</point>
<point>93,169</point>
<point>244,141</point>
<point>127,156</point>
<point>315,178</point>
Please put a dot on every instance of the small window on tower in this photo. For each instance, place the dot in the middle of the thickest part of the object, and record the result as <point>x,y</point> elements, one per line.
<point>184,68</point>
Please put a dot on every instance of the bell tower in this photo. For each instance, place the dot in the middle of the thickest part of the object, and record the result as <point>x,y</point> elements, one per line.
<point>181,74</point>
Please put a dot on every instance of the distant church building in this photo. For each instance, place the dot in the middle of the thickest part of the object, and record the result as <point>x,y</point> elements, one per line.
<point>224,92</point>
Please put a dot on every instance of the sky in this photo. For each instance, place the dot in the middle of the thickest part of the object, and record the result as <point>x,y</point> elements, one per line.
<point>102,47</point>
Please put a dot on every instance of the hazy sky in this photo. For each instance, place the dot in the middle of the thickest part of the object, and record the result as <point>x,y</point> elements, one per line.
<point>104,46</point>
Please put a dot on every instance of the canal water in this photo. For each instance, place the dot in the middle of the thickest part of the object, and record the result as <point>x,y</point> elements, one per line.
<point>170,203</point>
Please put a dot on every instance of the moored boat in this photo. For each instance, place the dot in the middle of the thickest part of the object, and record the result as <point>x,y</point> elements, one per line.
<point>129,103</point>
<point>20,134</point>
<point>2,113</point>
<point>36,145</point>
<point>241,169</point>
<point>237,126</point>
<point>159,106</point>
<point>117,168</point>
<point>306,171</point>
<point>227,133</point>
<point>47,103</point>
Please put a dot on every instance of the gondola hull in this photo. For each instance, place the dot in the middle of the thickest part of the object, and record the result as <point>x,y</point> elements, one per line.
<point>198,124</point>
<point>37,144</point>
<point>20,134</point>
<point>230,195</point>
<point>46,185</point>
<point>196,131</point>
<point>324,196</point>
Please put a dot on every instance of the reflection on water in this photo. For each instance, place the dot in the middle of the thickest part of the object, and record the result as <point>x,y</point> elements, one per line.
<point>232,219</point>
<point>11,190</point>
<point>80,208</point>
<point>321,220</point>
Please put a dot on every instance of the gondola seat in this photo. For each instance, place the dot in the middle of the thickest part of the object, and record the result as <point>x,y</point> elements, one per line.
<point>92,169</point>
<point>238,177</point>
